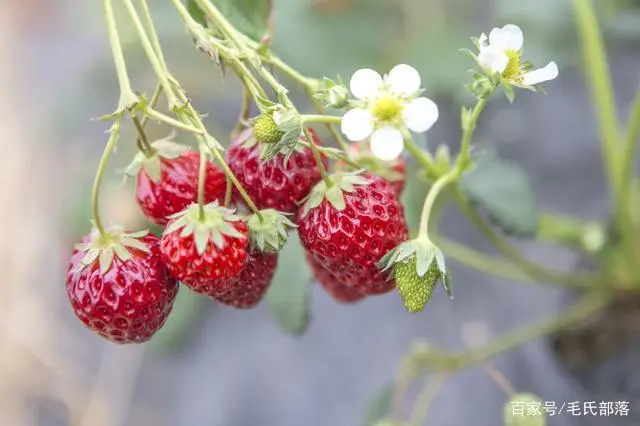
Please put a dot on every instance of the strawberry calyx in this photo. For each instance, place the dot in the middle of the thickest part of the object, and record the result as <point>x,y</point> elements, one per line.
<point>212,224</point>
<point>416,265</point>
<point>268,232</point>
<point>164,148</point>
<point>341,182</point>
<point>105,247</point>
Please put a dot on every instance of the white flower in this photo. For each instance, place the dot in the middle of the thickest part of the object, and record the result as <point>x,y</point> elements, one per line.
<point>501,53</point>
<point>388,106</point>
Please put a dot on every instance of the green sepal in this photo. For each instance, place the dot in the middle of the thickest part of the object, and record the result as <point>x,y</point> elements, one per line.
<point>164,148</point>
<point>290,130</point>
<point>416,265</point>
<point>213,226</point>
<point>103,249</point>
<point>269,233</point>
<point>341,182</point>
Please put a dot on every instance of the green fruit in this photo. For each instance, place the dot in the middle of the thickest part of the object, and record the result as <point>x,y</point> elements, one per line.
<point>266,130</point>
<point>414,289</point>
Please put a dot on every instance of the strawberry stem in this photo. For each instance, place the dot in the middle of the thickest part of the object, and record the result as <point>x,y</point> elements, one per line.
<point>430,200</point>
<point>467,135</point>
<point>95,197</point>
<point>245,111</point>
<point>143,143</point>
<point>318,158</point>
<point>153,56</point>
<point>317,118</point>
<point>228,193</point>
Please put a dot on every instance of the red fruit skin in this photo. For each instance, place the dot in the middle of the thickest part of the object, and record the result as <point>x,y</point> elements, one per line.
<point>350,242</point>
<point>130,302</point>
<point>332,284</point>
<point>252,284</point>
<point>210,272</point>
<point>272,184</point>
<point>177,187</point>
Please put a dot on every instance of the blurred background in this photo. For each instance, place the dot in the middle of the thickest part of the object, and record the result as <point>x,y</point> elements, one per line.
<point>215,366</point>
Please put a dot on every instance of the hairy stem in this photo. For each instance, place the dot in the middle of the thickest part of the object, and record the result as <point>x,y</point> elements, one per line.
<point>507,250</point>
<point>95,196</point>
<point>143,145</point>
<point>157,64</point>
<point>467,134</point>
<point>430,200</point>
<point>127,97</point>
<point>172,121</point>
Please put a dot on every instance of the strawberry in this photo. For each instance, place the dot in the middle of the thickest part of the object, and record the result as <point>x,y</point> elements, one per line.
<point>167,181</point>
<point>267,235</point>
<point>350,226</point>
<point>393,171</point>
<point>252,284</point>
<point>118,285</point>
<point>331,282</point>
<point>416,266</point>
<point>205,249</point>
<point>266,129</point>
<point>274,184</point>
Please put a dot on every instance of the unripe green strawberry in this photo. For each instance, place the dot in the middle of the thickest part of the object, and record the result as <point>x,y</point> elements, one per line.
<point>266,129</point>
<point>416,266</point>
<point>415,290</point>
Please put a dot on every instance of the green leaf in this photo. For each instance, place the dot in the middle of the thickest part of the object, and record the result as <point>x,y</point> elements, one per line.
<point>251,17</point>
<point>187,312</point>
<point>288,296</point>
<point>504,191</point>
<point>196,13</point>
<point>381,405</point>
<point>524,409</point>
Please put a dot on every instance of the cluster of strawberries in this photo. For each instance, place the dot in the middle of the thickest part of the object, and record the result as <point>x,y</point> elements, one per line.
<point>123,285</point>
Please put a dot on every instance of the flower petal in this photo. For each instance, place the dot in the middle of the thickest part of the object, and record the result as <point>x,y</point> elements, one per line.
<point>387,143</point>
<point>420,115</point>
<point>493,59</point>
<point>365,83</point>
<point>509,37</point>
<point>404,80</point>
<point>357,124</point>
<point>483,40</point>
<point>540,75</point>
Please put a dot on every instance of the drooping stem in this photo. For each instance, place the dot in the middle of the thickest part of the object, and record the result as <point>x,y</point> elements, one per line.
<point>127,96</point>
<point>202,175</point>
<point>152,113</point>
<point>430,200</point>
<point>512,254</point>
<point>153,34</point>
<point>114,133</point>
<point>152,103</point>
<point>318,157</point>
<point>245,111</point>
<point>152,55</point>
<point>144,144</point>
<point>467,134</point>
<point>228,193</point>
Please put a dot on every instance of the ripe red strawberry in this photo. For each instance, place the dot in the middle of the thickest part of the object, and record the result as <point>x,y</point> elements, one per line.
<point>350,226</point>
<point>205,252</point>
<point>119,287</point>
<point>167,181</point>
<point>252,284</point>
<point>393,171</point>
<point>331,282</point>
<point>272,184</point>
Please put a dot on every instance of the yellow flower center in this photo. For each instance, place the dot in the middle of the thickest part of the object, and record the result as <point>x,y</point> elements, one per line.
<point>513,71</point>
<point>386,108</point>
